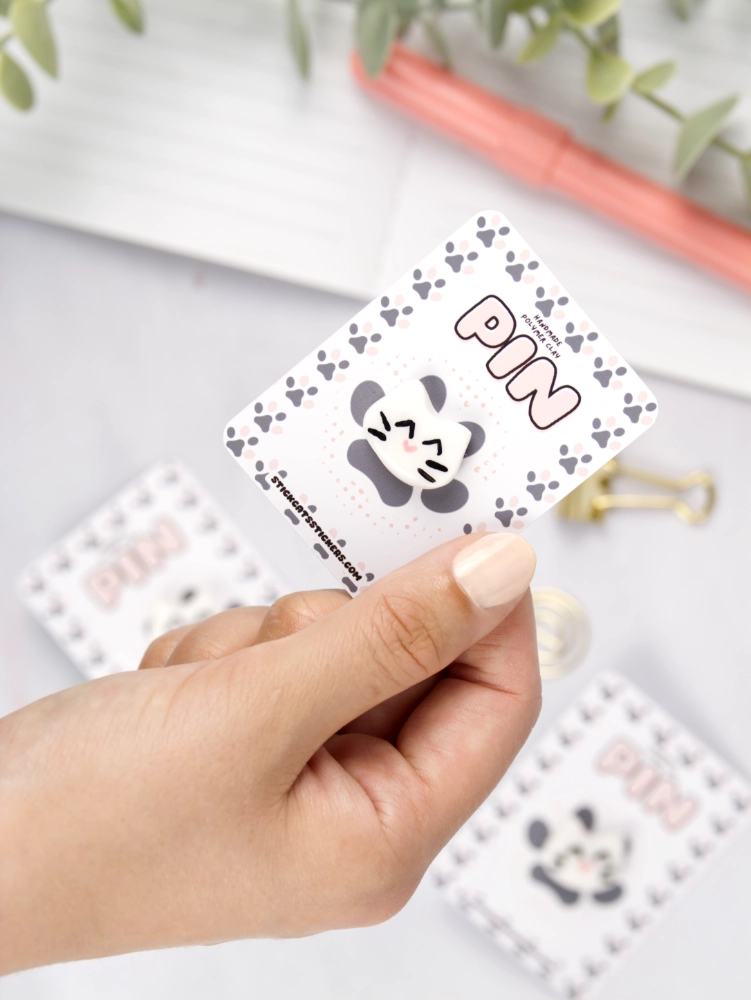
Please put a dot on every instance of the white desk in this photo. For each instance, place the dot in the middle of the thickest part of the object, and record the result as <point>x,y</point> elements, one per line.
<point>113,356</point>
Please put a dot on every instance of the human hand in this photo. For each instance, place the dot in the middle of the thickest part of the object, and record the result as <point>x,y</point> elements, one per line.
<point>282,771</point>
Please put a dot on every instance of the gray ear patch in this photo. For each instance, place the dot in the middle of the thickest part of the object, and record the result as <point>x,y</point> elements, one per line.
<point>446,499</point>
<point>392,491</point>
<point>436,390</point>
<point>609,895</point>
<point>587,817</point>
<point>538,833</point>
<point>477,440</point>
<point>363,398</point>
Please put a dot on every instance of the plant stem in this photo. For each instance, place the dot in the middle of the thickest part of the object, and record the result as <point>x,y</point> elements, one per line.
<point>437,8</point>
<point>658,102</point>
<point>583,37</point>
<point>669,109</point>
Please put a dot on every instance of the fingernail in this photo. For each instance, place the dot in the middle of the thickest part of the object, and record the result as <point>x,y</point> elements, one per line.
<point>495,570</point>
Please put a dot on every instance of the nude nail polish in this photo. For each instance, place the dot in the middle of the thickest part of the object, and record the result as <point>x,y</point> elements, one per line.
<point>495,570</point>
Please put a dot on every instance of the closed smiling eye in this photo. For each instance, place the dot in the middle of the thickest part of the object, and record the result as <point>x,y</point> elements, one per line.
<point>431,464</point>
<point>387,426</point>
<point>406,423</point>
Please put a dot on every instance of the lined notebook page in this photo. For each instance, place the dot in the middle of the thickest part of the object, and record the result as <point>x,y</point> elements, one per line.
<point>199,137</point>
<point>664,314</point>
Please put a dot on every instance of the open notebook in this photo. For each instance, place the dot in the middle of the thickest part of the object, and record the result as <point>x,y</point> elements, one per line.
<point>199,138</point>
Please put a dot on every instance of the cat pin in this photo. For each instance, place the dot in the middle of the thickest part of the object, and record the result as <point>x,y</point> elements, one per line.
<point>412,440</point>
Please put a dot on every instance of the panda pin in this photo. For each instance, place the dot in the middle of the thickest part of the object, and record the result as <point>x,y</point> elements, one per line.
<point>576,861</point>
<point>415,443</point>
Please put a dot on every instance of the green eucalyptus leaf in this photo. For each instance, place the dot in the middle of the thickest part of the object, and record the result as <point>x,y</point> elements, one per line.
<point>610,111</point>
<point>130,13</point>
<point>698,131</point>
<point>14,83</point>
<point>522,6</point>
<point>609,34</point>
<point>438,41</point>
<point>494,14</point>
<point>377,27</point>
<point>589,12</point>
<point>5,7</point>
<point>682,8</point>
<point>298,37</point>
<point>608,77</point>
<point>746,171</point>
<point>31,26</point>
<point>655,77</point>
<point>542,41</point>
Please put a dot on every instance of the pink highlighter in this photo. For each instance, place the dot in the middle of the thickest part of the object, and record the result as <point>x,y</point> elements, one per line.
<point>538,151</point>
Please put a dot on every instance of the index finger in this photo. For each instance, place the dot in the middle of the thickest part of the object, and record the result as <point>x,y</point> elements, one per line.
<point>402,630</point>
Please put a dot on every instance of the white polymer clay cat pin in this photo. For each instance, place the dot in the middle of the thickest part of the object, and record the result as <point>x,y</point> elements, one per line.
<point>415,444</point>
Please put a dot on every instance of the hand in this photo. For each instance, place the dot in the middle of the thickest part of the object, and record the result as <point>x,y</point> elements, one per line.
<point>280,772</point>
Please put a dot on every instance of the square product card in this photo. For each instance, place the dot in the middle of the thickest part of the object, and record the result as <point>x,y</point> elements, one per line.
<point>158,555</point>
<point>592,836</point>
<point>471,396</point>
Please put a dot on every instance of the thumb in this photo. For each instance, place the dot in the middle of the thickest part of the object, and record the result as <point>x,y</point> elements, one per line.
<point>406,627</point>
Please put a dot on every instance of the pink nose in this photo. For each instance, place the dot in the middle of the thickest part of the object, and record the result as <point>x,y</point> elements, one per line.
<point>584,865</point>
<point>408,447</point>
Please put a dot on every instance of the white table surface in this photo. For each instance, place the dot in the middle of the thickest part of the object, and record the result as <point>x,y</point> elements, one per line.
<point>113,356</point>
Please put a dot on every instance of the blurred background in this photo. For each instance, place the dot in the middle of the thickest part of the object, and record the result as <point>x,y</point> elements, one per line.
<point>185,214</point>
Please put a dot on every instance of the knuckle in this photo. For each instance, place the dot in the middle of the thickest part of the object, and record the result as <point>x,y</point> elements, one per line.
<point>158,651</point>
<point>408,638</point>
<point>388,902</point>
<point>389,892</point>
<point>198,646</point>
<point>294,612</point>
<point>291,612</point>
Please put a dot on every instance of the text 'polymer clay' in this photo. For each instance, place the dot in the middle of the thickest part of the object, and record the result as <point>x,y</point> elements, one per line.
<point>493,323</point>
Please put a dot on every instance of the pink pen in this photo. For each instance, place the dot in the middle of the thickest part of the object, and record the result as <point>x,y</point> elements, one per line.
<point>529,146</point>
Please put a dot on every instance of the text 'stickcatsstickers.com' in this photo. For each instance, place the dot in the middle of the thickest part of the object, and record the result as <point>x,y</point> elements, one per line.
<point>471,396</point>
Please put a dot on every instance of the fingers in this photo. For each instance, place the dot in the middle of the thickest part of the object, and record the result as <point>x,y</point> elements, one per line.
<point>218,636</point>
<point>239,628</point>
<point>398,633</point>
<point>294,612</point>
<point>159,651</point>
<point>386,720</point>
<point>474,723</point>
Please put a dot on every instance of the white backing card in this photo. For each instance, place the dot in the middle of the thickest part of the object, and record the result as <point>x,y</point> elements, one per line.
<point>200,138</point>
<point>158,555</point>
<point>592,836</point>
<point>501,348</point>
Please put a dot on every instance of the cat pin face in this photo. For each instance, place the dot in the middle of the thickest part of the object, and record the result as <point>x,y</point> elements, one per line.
<point>415,444</point>
<point>190,606</point>
<point>575,860</point>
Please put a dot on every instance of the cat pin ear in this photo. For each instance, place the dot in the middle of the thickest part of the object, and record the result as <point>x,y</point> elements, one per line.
<point>587,817</point>
<point>538,833</point>
<point>419,447</point>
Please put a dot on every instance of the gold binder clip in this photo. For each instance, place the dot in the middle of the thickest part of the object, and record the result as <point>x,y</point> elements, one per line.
<point>589,501</point>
